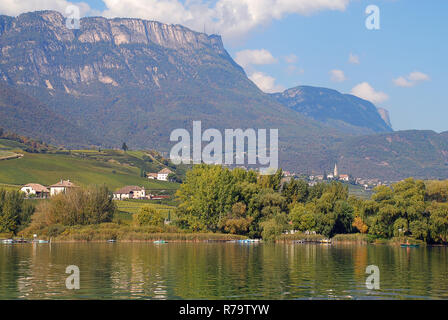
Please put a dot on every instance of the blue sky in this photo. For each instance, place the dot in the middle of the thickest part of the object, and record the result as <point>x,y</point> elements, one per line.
<point>412,37</point>
<point>284,43</point>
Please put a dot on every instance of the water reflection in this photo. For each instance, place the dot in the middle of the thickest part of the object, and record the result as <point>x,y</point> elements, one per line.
<point>220,271</point>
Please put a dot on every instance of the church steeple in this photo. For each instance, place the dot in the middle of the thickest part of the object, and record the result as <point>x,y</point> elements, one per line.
<point>335,172</point>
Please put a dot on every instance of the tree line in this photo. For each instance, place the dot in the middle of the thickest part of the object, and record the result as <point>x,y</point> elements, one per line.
<point>242,202</point>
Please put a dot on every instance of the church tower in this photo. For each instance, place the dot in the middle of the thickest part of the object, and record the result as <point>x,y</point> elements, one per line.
<point>335,172</point>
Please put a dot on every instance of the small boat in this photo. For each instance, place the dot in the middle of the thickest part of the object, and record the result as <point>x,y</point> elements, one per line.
<point>160,241</point>
<point>249,241</point>
<point>111,240</point>
<point>325,241</point>
<point>409,245</point>
<point>8,241</point>
<point>43,241</point>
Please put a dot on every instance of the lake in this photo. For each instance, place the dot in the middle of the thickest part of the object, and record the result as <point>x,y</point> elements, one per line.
<point>221,271</point>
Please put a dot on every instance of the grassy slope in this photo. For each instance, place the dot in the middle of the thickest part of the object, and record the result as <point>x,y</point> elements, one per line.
<point>48,169</point>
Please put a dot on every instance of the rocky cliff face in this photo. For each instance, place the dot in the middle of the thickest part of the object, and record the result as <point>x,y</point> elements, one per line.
<point>117,52</point>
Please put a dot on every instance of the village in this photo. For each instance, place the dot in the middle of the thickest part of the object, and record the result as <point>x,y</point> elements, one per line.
<point>39,191</point>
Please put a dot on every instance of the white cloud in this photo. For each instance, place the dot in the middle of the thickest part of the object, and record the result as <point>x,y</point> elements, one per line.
<point>265,82</point>
<point>337,75</point>
<point>418,76</point>
<point>247,58</point>
<point>353,58</point>
<point>403,82</point>
<point>16,7</point>
<point>365,91</point>
<point>292,58</point>
<point>411,79</point>
<point>231,18</point>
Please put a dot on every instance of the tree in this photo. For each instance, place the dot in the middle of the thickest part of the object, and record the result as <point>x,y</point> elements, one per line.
<point>149,216</point>
<point>15,212</point>
<point>236,221</point>
<point>124,147</point>
<point>275,227</point>
<point>296,191</point>
<point>303,217</point>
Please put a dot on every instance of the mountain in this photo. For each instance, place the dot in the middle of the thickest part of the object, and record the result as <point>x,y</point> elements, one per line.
<point>345,112</point>
<point>135,81</point>
<point>24,114</point>
<point>392,156</point>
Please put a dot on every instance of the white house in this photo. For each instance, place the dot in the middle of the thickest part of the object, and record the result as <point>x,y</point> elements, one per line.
<point>130,192</point>
<point>151,176</point>
<point>163,174</point>
<point>35,189</point>
<point>61,187</point>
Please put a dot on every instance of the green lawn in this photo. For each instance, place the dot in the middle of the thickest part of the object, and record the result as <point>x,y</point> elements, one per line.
<point>48,169</point>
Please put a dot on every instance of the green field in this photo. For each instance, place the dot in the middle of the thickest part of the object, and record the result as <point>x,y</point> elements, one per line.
<point>48,169</point>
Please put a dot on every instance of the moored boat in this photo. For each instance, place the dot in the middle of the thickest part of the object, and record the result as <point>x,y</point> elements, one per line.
<point>409,245</point>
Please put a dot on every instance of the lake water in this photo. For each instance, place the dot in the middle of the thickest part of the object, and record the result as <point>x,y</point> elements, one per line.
<point>221,271</point>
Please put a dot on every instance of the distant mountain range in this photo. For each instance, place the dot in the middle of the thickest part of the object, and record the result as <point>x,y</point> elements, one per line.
<point>345,112</point>
<point>133,80</point>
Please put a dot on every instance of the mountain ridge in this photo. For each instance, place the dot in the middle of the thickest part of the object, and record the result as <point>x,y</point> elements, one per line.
<point>345,112</point>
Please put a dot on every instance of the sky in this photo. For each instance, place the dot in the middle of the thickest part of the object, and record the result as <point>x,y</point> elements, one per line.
<point>393,54</point>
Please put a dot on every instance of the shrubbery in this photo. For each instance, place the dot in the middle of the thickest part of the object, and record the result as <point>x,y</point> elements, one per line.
<point>79,206</point>
<point>149,216</point>
<point>15,212</point>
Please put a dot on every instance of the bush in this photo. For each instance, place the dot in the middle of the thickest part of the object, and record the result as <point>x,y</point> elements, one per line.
<point>93,205</point>
<point>149,216</point>
<point>274,227</point>
<point>15,212</point>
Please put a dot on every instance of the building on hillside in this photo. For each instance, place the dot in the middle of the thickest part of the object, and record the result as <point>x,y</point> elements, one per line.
<point>35,190</point>
<point>163,174</point>
<point>130,192</point>
<point>330,176</point>
<point>335,171</point>
<point>344,177</point>
<point>151,175</point>
<point>61,187</point>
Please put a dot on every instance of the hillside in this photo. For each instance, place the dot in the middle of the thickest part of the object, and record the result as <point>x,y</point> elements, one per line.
<point>22,113</point>
<point>345,112</point>
<point>417,153</point>
<point>113,168</point>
